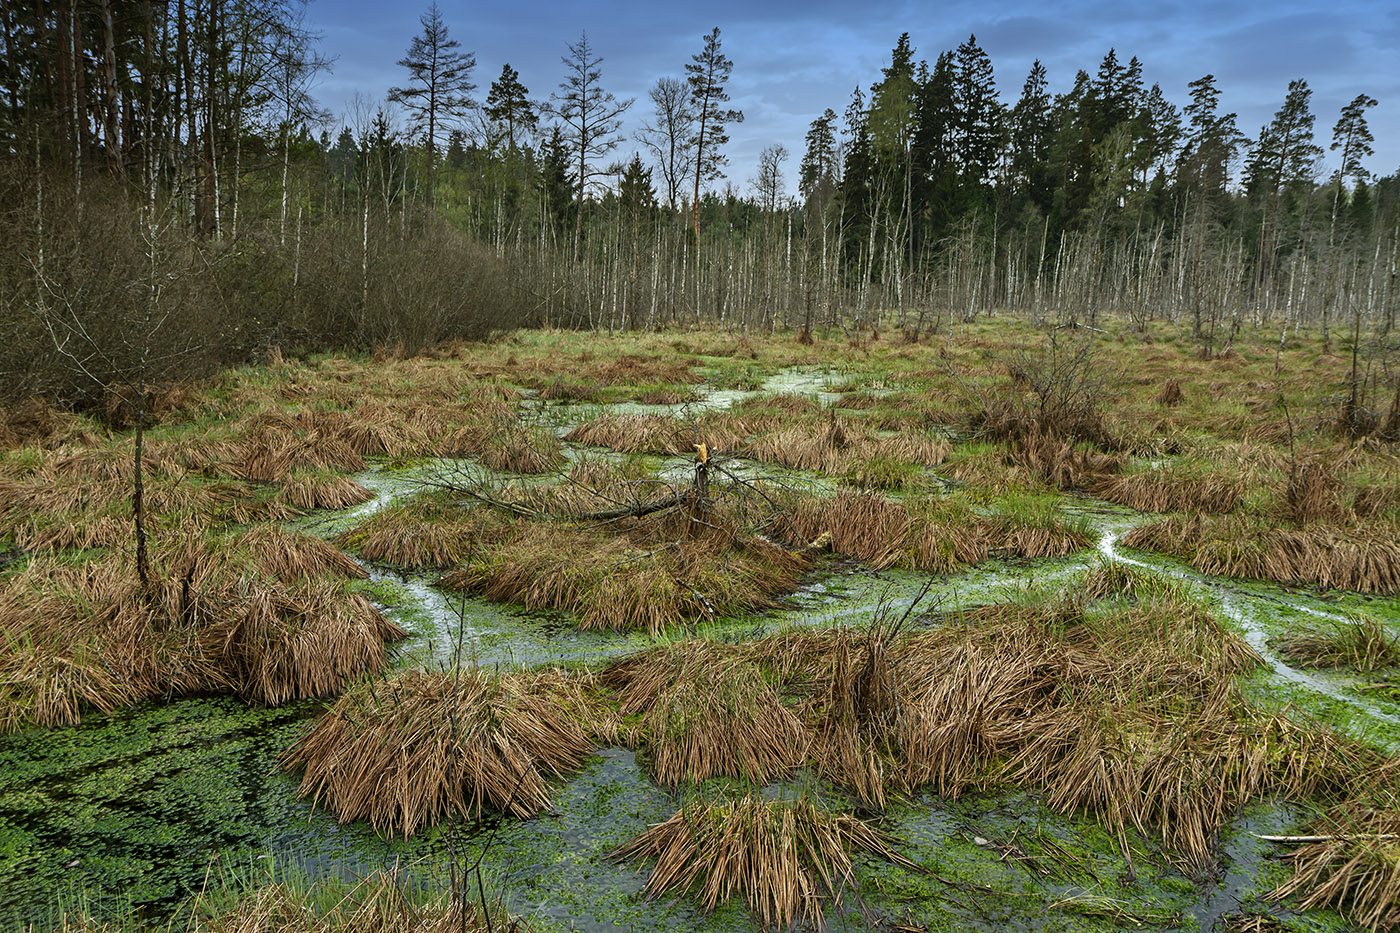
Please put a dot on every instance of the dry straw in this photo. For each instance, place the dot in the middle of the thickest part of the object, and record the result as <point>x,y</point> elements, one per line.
<point>706,712</point>
<point>787,857</point>
<point>1352,863</point>
<point>421,747</point>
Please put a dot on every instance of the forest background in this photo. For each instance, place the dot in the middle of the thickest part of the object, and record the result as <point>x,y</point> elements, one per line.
<point>173,199</point>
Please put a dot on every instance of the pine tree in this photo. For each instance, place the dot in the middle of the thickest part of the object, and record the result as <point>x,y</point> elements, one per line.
<point>1212,141</point>
<point>441,84</point>
<point>1353,137</point>
<point>707,74</point>
<point>818,172</point>
<point>1285,154</point>
<point>508,105</point>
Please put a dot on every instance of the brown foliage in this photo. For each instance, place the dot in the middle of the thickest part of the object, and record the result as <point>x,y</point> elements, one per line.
<point>706,712</point>
<point>1171,394</point>
<point>414,750</point>
<point>1365,560</point>
<point>786,856</point>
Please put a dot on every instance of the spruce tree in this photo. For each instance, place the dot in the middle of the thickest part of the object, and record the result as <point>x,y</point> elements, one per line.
<point>1353,137</point>
<point>937,193</point>
<point>818,171</point>
<point>1030,136</point>
<point>979,113</point>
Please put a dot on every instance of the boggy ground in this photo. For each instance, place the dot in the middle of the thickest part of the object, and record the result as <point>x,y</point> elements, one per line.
<point>685,501</point>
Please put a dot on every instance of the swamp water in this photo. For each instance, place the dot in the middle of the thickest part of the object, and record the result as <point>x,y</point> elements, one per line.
<point>134,812</point>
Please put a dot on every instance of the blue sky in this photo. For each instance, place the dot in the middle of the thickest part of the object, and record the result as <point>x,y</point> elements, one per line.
<point>794,58</point>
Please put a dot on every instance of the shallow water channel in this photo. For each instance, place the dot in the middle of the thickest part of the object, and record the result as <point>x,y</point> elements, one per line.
<point>138,810</point>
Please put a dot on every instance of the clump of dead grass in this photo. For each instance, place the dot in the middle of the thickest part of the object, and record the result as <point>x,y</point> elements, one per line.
<point>291,556</point>
<point>35,423</point>
<point>1363,559</point>
<point>429,532</point>
<point>1171,394</point>
<point>787,857</point>
<point>684,562</point>
<point>1060,462</point>
<point>657,434</point>
<point>414,750</point>
<point>706,712</point>
<point>1362,645</point>
<point>1125,710</point>
<point>87,636</point>
<point>381,902</point>
<point>308,491</point>
<point>936,534</point>
<point>1352,864</point>
<point>1168,489</point>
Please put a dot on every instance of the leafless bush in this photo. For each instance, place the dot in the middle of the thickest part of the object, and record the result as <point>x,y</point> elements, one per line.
<point>1057,391</point>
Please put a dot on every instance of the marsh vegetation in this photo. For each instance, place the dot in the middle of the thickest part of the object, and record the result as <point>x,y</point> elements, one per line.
<point>842,627</point>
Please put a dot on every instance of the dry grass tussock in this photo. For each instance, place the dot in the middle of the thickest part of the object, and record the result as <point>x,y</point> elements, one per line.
<point>429,532</point>
<point>1352,865</point>
<point>291,556</point>
<point>307,491</point>
<point>940,535</point>
<point>786,856</point>
<point>1169,489</point>
<point>382,902</point>
<point>683,563</point>
<point>1059,462</point>
<point>636,369</point>
<point>706,712</point>
<point>1313,492</point>
<point>1365,559</point>
<point>89,636</point>
<point>836,447</point>
<point>1127,712</point>
<point>1171,394</point>
<point>1362,645</point>
<point>658,434</point>
<point>424,746</point>
<point>36,423</point>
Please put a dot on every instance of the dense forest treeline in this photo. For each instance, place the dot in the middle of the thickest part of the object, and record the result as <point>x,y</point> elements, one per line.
<point>172,199</point>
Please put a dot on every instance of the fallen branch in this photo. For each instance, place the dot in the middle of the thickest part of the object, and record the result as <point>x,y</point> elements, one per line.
<point>1341,837</point>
